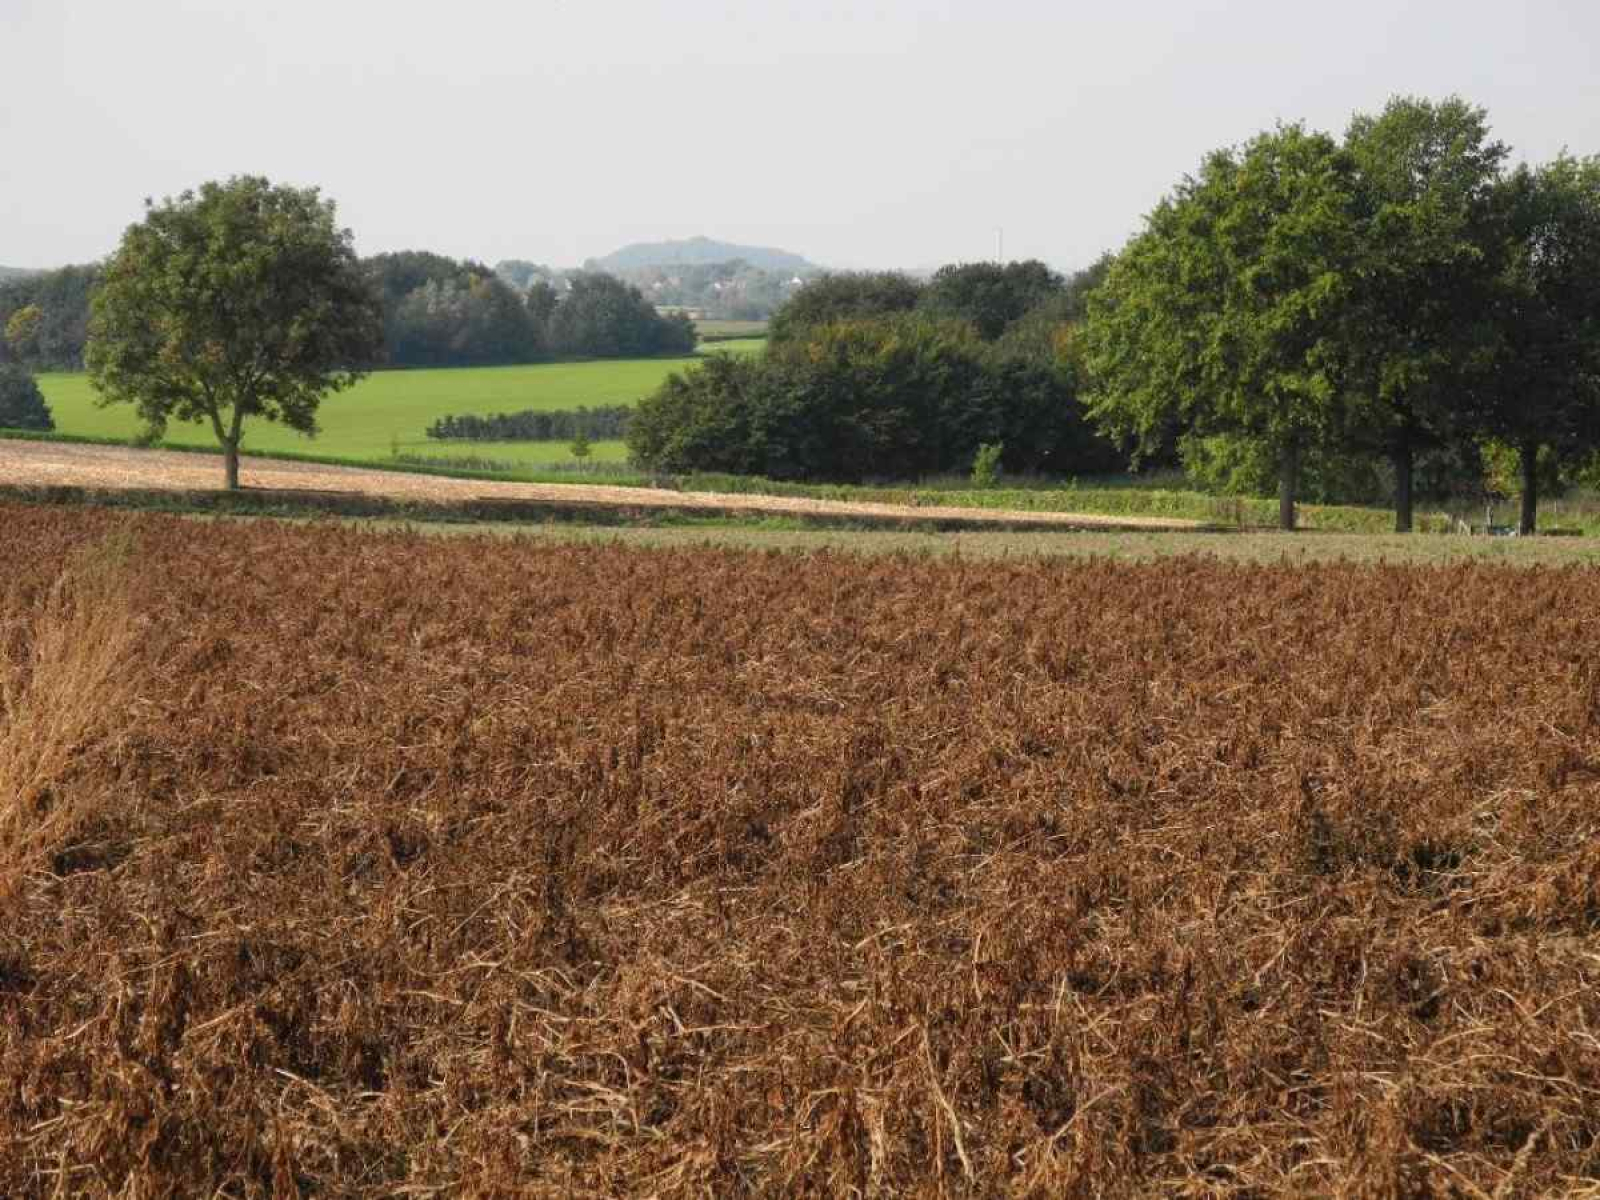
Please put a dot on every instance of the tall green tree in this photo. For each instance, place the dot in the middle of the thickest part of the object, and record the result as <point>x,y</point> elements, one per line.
<point>1423,329</point>
<point>240,300</point>
<point>1542,390</point>
<point>1227,314</point>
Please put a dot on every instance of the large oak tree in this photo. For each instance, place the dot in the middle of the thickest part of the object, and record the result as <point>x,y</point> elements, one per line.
<point>240,300</point>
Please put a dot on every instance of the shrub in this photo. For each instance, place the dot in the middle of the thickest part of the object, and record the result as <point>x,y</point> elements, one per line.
<point>986,465</point>
<point>535,425</point>
<point>22,404</point>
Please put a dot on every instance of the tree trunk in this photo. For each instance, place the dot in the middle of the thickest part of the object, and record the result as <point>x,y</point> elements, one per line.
<point>1404,461</point>
<point>1529,524</point>
<point>1288,485</point>
<point>230,462</point>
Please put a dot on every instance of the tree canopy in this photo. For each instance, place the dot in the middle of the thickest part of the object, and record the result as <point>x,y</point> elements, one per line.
<point>991,296</point>
<point>1227,314</point>
<point>602,317</point>
<point>1394,298</point>
<point>896,396</point>
<point>241,300</point>
<point>44,318</point>
<point>1540,390</point>
<point>1421,327</point>
<point>842,296</point>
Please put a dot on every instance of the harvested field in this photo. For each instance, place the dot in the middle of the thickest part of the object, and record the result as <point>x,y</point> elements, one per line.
<point>113,468</point>
<point>486,867</point>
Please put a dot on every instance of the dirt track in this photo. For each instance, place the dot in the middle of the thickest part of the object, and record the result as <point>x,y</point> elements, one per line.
<point>64,464</point>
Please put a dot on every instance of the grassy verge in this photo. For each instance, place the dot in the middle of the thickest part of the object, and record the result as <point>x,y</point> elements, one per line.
<point>1116,496</point>
<point>1118,500</point>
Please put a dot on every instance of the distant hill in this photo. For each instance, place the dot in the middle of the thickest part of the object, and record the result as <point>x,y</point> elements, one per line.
<point>17,272</point>
<point>698,251</point>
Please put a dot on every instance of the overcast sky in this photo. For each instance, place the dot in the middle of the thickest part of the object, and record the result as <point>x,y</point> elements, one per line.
<point>899,133</point>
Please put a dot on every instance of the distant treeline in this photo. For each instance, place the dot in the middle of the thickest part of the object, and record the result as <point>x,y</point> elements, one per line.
<point>437,312</point>
<point>44,318</point>
<point>604,423</point>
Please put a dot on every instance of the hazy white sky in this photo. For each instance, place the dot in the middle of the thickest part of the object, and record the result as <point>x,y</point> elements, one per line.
<point>897,133</point>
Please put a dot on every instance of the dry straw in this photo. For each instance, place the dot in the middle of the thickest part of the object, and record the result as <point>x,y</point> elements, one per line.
<point>477,867</point>
<point>65,681</point>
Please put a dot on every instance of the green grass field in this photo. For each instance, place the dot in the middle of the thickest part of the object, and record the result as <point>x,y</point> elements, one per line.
<point>390,410</point>
<point>731,329</point>
<point>735,345</point>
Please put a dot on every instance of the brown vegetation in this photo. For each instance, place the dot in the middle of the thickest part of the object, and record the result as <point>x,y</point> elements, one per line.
<point>483,867</point>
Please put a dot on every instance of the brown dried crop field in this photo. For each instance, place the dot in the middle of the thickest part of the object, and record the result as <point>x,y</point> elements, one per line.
<point>348,863</point>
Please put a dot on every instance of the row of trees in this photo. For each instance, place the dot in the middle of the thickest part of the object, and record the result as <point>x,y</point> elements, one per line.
<point>44,318</point>
<point>992,297</point>
<point>437,311</point>
<point>1399,293</point>
<point>1307,309</point>
<point>877,375</point>
<point>440,312</point>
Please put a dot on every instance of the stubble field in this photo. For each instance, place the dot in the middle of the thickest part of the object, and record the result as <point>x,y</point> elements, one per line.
<point>370,864</point>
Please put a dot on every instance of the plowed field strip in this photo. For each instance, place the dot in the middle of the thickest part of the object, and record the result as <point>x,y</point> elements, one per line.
<point>60,464</point>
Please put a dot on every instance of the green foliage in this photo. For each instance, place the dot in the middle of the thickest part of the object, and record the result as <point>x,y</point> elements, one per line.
<point>541,302</point>
<point>580,445</point>
<point>22,330</point>
<point>899,396</point>
<point>1225,316</point>
<point>1541,392</point>
<point>359,424</point>
<point>22,404</point>
<point>986,465</point>
<point>990,296</point>
<point>602,317</point>
<point>535,425</point>
<point>44,317</point>
<point>844,296</point>
<point>241,300</point>
<point>1237,466</point>
<point>1421,311</point>
<point>440,312</point>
